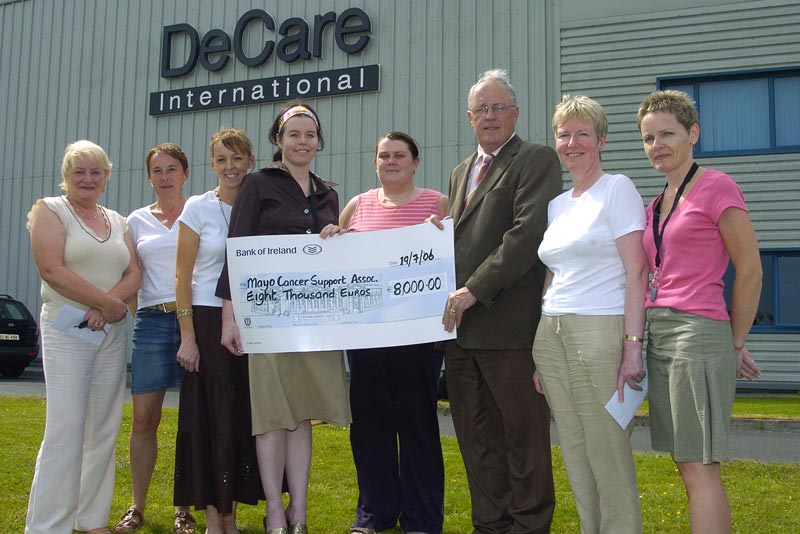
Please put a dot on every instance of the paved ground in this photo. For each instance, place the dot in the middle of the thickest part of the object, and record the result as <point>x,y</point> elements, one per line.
<point>746,442</point>
<point>771,442</point>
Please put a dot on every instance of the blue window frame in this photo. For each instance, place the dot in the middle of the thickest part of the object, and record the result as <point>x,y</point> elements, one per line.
<point>755,112</point>
<point>779,306</point>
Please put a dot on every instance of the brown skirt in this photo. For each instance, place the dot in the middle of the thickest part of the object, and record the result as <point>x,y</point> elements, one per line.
<point>215,453</point>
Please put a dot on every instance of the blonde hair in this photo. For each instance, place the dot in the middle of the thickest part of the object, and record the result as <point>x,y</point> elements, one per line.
<point>83,149</point>
<point>583,108</point>
<point>233,139</point>
<point>678,103</point>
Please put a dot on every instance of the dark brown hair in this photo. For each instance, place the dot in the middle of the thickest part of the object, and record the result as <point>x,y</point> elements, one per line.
<point>397,135</point>
<point>170,149</point>
<point>277,126</point>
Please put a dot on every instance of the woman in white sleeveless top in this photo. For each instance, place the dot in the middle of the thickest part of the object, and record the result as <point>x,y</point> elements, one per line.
<point>89,272</point>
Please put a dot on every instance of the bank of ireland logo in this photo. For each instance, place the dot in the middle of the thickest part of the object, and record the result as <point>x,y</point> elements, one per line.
<point>247,321</point>
<point>312,249</point>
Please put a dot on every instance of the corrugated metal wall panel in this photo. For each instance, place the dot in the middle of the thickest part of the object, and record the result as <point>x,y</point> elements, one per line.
<point>84,69</point>
<point>777,356</point>
<point>625,55</point>
<point>617,60</point>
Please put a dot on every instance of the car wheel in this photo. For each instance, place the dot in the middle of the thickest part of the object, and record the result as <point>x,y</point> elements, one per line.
<point>12,371</point>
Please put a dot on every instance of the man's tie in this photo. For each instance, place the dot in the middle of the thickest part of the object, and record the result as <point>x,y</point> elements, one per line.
<point>473,185</point>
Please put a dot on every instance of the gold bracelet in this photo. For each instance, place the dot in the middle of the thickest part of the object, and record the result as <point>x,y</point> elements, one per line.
<point>629,337</point>
<point>184,312</point>
<point>739,349</point>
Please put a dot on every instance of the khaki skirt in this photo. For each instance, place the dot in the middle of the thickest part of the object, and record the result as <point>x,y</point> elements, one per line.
<point>691,369</point>
<point>289,388</point>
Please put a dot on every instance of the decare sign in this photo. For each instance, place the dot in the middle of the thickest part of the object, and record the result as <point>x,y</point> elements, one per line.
<point>299,41</point>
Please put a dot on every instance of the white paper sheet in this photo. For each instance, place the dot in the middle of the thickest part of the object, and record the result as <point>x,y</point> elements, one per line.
<point>68,320</point>
<point>299,293</point>
<point>623,412</point>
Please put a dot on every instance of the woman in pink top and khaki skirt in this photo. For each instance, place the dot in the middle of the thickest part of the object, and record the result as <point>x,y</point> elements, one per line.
<point>696,347</point>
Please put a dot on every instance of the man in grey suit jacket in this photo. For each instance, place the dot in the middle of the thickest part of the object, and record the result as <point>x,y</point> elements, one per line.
<point>500,214</point>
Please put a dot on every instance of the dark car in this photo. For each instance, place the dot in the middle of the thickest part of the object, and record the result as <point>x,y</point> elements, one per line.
<point>19,337</point>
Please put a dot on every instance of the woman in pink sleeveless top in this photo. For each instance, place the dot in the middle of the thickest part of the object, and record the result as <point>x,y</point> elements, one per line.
<point>393,389</point>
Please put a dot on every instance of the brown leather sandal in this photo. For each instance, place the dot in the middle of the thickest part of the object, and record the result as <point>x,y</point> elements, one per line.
<point>184,523</point>
<point>131,520</point>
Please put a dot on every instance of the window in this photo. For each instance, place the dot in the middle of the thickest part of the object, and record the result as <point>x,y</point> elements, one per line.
<point>779,306</point>
<point>12,310</point>
<point>744,113</point>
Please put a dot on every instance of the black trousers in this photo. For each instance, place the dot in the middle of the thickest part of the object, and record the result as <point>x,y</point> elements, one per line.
<point>395,437</point>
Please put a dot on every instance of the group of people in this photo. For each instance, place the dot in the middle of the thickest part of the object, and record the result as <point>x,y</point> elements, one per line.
<point>595,268</point>
<point>570,278</point>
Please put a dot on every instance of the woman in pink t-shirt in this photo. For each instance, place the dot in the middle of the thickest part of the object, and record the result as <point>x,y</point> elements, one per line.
<point>393,389</point>
<point>696,347</point>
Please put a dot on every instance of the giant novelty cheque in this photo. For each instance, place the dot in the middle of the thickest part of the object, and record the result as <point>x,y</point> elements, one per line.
<point>298,293</point>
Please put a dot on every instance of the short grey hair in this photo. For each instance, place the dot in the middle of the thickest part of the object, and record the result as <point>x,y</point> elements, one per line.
<point>499,76</point>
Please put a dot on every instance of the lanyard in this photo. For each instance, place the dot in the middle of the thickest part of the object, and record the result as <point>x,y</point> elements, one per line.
<point>659,235</point>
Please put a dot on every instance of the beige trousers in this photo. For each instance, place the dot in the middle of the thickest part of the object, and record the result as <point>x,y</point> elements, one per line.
<point>73,484</point>
<point>577,357</point>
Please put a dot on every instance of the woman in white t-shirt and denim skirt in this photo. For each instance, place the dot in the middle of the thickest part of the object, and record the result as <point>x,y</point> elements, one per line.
<point>156,336</point>
<point>589,341</point>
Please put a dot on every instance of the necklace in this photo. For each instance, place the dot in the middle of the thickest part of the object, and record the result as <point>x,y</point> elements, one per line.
<point>80,211</point>
<point>401,199</point>
<point>222,211</point>
<point>75,212</point>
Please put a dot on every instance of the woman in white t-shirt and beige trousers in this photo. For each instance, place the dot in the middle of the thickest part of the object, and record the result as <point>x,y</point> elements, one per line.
<point>589,340</point>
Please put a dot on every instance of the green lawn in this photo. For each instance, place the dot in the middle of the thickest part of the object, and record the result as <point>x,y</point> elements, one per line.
<point>764,496</point>
<point>758,407</point>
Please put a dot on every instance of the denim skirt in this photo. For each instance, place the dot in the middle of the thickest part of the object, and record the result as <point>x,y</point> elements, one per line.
<point>156,339</point>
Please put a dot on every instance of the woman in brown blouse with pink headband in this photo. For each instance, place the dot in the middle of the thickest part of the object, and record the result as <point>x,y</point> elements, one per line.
<point>288,390</point>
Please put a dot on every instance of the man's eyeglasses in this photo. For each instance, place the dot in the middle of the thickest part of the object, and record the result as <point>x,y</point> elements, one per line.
<point>498,109</point>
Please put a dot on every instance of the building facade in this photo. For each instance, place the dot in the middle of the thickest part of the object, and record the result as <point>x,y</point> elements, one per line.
<point>129,75</point>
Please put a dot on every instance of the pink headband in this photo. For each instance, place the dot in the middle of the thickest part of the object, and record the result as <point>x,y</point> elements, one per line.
<point>296,110</point>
